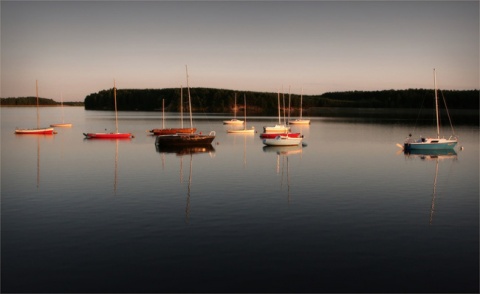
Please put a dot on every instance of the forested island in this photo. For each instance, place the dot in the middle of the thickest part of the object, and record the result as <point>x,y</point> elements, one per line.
<point>210,100</point>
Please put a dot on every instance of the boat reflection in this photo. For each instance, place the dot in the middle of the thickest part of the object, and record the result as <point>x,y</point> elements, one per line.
<point>284,150</point>
<point>432,155</point>
<point>185,150</point>
<point>283,167</point>
<point>181,151</point>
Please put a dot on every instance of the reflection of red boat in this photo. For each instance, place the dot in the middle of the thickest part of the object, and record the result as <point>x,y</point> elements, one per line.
<point>273,135</point>
<point>107,135</point>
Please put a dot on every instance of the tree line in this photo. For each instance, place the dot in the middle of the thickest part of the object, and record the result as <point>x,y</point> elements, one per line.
<point>211,100</point>
<point>29,101</point>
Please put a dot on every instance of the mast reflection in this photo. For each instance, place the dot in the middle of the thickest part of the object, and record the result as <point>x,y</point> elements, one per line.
<point>181,151</point>
<point>432,155</point>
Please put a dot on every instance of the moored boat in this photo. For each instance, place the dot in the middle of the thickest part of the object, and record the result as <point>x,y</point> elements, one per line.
<point>63,124</point>
<point>185,139</point>
<point>435,143</point>
<point>282,141</point>
<point>273,135</point>
<point>234,120</point>
<point>180,139</point>
<point>108,135</point>
<point>112,135</point>
<point>172,131</point>
<point>35,131</point>
<point>300,120</point>
<point>244,130</point>
<point>278,128</point>
<point>38,130</point>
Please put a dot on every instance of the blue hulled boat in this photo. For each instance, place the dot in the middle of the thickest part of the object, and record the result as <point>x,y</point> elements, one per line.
<point>435,143</point>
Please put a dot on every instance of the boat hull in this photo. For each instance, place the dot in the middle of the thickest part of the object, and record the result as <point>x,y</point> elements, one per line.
<point>282,141</point>
<point>276,129</point>
<point>244,131</point>
<point>107,135</point>
<point>62,125</point>
<point>299,122</point>
<point>233,122</point>
<point>39,131</point>
<point>172,131</point>
<point>184,139</point>
<point>274,135</point>
<point>429,144</point>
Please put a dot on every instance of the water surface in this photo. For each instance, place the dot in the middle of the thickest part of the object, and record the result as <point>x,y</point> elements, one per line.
<point>347,213</point>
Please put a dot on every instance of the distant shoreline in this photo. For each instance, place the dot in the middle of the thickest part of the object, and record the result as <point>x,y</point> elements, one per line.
<point>34,105</point>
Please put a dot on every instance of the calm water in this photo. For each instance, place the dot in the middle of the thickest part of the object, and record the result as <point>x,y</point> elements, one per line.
<point>347,213</point>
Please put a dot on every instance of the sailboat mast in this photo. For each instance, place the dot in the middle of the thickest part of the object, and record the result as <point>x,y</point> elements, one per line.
<point>436,103</point>
<point>38,114</point>
<point>189,99</point>
<point>235,108</point>
<point>63,113</point>
<point>181,106</point>
<point>245,111</point>
<point>115,101</point>
<point>279,122</point>
<point>289,99</point>
<point>163,113</point>
<point>301,103</point>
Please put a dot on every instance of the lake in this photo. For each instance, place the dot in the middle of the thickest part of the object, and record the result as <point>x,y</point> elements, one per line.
<point>349,212</point>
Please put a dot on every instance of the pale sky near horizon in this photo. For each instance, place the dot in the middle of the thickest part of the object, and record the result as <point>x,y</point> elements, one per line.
<point>75,48</point>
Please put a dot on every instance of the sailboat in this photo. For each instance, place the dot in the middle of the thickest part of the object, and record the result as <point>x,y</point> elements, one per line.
<point>115,135</point>
<point>283,140</point>
<point>171,131</point>
<point>234,120</point>
<point>180,139</point>
<point>431,143</point>
<point>278,128</point>
<point>38,130</point>
<point>245,130</point>
<point>300,121</point>
<point>63,124</point>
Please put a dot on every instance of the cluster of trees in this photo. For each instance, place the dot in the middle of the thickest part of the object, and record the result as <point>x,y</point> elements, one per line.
<point>411,98</point>
<point>210,100</point>
<point>203,100</point>
<point>28,101</point>
<point>222,100</point>
<point>24,101</point>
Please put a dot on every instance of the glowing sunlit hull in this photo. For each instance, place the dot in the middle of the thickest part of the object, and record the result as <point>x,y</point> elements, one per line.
<point>283,141</point>
<point>273,135</point>
<point>39,131</point>
<point>107,135</point>
<point>62,125</point>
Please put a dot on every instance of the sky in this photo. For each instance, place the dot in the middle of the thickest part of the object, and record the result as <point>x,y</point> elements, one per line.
<point>75,48</point>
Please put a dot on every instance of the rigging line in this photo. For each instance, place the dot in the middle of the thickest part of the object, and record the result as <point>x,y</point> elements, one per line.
<point>448,113</point>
